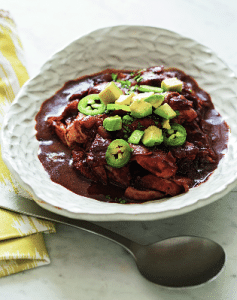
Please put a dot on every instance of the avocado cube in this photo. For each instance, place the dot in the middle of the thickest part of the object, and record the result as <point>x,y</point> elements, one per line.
<point>148,88</point>
<point>113,123</point>
<point>142,96</point>
<point>165,111</point>
<point>113,106</point>
<point>124,99</point>
<point>135,137</point>
<point>110,93</point>
<point>166,124</point>
<point>172,84</point>
<point>140,109</point>
<point>152,136</point>
<point>155,100</point>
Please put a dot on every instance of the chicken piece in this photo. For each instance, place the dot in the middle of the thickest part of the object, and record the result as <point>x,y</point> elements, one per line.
<point>97,150</point>
<point>69,113</point>
<point>94,173</point>
<point>184,182</point>
<point>139,150</point>
<point>80,164</point>
<point>96,160</point>
<point>166,186</point>
<point>75,134</point>
<point>59,124</point>
<point>92,164</point>
<point>183,105</point>
<point>152,77</point>
<point>59,128</point>
<point>185,115</point>
<point>103,132</point>
<point>89,121</point>
<point>191,95</point>
<point>177,101</point>
<point>159,163</point>
<point>120,176</point>
<point>73,128</point>
<point>142,196</point>
<point>101,174</point>
<point>64,126</point>
<point>188,150</point>
<point>201,140</point>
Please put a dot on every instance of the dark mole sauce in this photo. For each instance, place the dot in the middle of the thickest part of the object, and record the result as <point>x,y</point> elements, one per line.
<point>56,157</point>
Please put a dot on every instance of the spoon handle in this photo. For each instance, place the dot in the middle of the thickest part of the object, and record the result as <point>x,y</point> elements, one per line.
<point>106,233</point>
<point>30,208</point>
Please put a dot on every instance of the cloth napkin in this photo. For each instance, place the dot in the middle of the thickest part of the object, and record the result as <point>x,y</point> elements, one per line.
<point>22,244</point>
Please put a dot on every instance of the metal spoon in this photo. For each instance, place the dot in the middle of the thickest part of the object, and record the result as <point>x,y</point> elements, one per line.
<point>175,262</point>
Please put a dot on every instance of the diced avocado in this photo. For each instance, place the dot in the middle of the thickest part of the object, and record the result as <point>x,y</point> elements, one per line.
<point>127,119</point>
<point>142,96</point>
<point>125,99</point>
<point>113,123</point>
<point>152,136</point>
<point>140,109</point>
<point>135,137</point>
<point>166,124</point>
<point>148,88</point>
<point>172,84</point>
<point>165,111</point>
<point>113,106</point>
<point>155,100</point>
<point>110,93</point>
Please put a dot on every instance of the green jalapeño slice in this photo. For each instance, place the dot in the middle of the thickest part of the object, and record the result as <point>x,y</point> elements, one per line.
<point>91,105</point>
<point>176,136</point>
<point>118,153</point>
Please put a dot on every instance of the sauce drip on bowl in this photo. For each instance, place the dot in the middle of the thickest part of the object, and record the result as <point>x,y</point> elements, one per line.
<point>207,135</point>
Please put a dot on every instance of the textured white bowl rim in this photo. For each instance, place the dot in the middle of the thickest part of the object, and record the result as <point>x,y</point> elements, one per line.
<point>197,59</point>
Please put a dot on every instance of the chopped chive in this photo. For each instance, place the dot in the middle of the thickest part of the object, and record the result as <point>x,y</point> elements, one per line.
<point>125,83</point>
<point>177,112</point>
<point>122,201</point>
<point>114,76</point>
<point>139,79</point>
<point>136,77</point>
<point>133,88</point>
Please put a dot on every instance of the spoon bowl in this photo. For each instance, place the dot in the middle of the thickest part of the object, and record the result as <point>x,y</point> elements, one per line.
<point>179,261</point>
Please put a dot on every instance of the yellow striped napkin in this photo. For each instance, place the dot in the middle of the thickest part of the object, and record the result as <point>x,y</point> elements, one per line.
<point>22,244</point>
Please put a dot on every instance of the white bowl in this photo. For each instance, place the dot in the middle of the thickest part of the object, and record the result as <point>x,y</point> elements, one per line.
<point>121,47</point>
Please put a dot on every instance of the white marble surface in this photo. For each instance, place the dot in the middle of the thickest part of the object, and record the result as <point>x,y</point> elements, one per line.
<point>88,267</point>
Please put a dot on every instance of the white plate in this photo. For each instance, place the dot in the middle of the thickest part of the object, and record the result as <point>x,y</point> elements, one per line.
<point>121,47</point>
